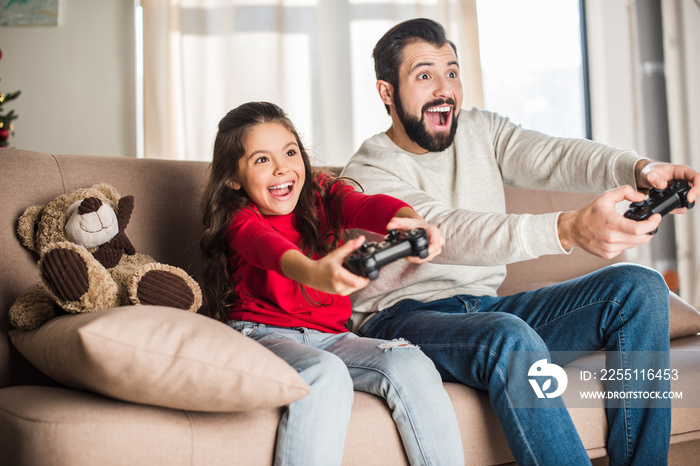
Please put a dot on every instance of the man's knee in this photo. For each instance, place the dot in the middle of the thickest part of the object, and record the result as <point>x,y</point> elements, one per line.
<point>634,276</point>
<point>506,332</point>
<point>638,283</point>
<point>640,293</point>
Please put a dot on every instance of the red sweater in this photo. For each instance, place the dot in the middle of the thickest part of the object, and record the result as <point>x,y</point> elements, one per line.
<point>256,244</point>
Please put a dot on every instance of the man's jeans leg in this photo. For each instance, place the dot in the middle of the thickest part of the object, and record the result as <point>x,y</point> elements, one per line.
<point>623,309</point>
<point>619,308</point>
<point>473,348</point>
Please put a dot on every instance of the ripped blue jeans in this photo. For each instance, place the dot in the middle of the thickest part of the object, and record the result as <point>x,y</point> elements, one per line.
<point>312,429</point>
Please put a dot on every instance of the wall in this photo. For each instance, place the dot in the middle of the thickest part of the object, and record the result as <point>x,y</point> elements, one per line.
<point>77,80</point>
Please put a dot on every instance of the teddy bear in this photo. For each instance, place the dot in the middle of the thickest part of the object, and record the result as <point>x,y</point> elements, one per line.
<point>88,264</point>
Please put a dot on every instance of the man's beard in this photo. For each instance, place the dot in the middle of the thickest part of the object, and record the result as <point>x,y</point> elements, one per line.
<point>415,127</point>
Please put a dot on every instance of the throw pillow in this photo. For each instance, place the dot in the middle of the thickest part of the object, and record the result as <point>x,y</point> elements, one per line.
<point>161,356</point>
<point>685,319</point>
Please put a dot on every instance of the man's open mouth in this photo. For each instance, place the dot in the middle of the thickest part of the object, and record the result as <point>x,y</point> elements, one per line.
<point>439,116</point>
<point>281,190</point>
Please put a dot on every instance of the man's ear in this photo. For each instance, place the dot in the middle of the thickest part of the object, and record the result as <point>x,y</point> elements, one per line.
<point>386,92</point>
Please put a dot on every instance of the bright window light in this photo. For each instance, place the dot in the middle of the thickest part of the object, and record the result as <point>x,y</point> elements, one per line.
<point>533,63</point>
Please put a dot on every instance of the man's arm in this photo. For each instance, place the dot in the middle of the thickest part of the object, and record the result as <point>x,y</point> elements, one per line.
<point>600,230</point>
<point>534,160</point>
<point>526,159</point>
<point>472,238</point>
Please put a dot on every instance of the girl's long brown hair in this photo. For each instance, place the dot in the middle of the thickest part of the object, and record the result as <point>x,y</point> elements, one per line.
<point>221,202</point>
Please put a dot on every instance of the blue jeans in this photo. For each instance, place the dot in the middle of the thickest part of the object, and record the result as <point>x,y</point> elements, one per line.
<point>312,429</point>
<point>620,308</point>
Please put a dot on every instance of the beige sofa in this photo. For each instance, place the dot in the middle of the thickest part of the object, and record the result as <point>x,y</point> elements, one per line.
<point>198,416</point>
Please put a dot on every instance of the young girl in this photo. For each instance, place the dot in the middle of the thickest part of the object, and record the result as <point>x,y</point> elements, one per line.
<point>274,251</point>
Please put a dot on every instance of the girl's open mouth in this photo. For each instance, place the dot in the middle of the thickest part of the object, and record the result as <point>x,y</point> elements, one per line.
<point>439,116</point>
<point>282,190</point>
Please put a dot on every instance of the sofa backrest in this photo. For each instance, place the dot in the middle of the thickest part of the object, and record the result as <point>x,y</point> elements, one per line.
<point>546,270</point>
<point>166,224</point>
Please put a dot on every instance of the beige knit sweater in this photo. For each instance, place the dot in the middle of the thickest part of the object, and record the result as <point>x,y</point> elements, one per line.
<point>460,190</point>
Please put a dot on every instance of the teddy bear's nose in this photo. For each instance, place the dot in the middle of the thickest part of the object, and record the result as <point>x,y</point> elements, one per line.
<point>89,205</point>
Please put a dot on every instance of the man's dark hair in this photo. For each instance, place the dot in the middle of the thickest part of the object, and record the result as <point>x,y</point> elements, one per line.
<point>387,53</point>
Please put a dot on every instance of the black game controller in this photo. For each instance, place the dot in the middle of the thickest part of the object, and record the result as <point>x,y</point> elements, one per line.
<point>661,202</point>
<point>370,257</point>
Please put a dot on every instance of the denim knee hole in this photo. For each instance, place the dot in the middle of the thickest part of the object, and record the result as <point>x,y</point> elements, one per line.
<point>396,343</point>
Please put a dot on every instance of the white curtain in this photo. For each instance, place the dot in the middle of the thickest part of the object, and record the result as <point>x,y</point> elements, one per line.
<point>681,21</point>
<point>311,57</point>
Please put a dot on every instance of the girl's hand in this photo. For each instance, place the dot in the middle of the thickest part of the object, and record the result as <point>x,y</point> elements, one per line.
<point>336,279</point>
<point>326,274</point>
<point>435,239</point>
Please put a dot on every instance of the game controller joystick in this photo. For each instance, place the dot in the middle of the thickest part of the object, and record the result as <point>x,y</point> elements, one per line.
<point>661,201</point>
<point>370,257</point>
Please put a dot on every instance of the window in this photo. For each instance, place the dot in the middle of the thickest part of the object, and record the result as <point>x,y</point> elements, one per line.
<point>534,63</point>
<point>203,57</point>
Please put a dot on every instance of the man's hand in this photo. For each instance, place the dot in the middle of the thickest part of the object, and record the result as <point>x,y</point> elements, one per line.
<point>651,174</point>
<point>599,229</point>
<point>407,219</point>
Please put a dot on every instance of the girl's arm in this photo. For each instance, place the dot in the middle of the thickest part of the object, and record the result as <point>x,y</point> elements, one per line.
<point>326,274</point>
<point>366,211</point>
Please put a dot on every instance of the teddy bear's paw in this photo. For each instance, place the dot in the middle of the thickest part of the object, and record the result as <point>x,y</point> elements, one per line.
<point>66,274</point>
<point>32,308</point>
<point>164,288</point>
<point>76,280</point>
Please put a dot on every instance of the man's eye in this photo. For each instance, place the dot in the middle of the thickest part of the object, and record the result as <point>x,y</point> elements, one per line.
<point>424,76</point>
<point>452,74</point>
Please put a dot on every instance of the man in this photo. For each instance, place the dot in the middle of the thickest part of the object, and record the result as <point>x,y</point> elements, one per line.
<point>450,165</point>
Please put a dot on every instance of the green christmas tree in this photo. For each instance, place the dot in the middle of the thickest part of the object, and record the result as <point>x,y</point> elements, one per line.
<point>6,127</point>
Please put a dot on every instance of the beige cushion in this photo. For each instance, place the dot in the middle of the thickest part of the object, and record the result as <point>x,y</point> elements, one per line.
<point>685,319</point>
<point>163,357</point>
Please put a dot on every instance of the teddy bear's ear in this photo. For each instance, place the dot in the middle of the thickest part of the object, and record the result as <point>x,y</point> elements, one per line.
<point>28,224</point>
<point>109,191</point>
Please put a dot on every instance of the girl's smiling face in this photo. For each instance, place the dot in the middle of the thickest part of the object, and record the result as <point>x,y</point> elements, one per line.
<point>271,171</point>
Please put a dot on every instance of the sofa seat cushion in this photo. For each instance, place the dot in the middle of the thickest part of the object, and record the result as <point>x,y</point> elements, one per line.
<point>48,425</point>
<point>59,426</point>
<point>163,357</point>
